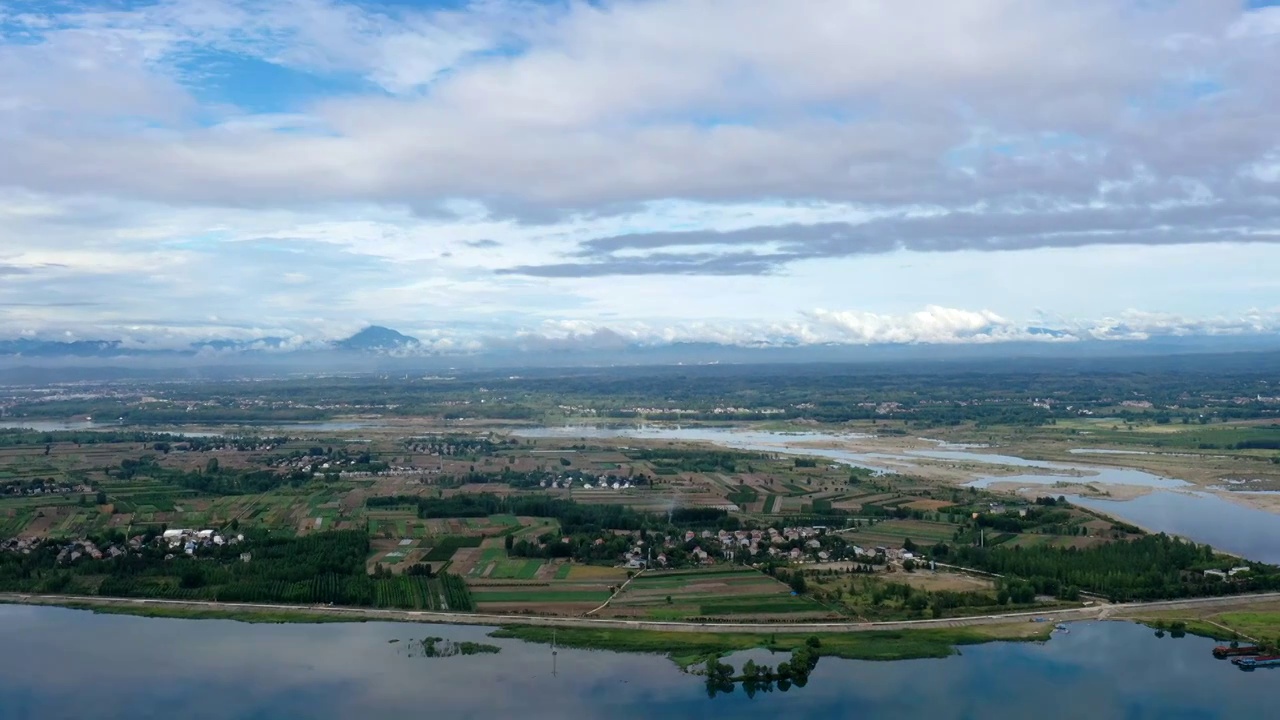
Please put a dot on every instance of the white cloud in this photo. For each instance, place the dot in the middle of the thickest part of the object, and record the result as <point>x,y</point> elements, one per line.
<point>437,148</point>
<point>933,324</point>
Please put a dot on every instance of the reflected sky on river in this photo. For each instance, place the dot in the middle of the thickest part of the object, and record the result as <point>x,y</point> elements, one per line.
<point>73,664</point>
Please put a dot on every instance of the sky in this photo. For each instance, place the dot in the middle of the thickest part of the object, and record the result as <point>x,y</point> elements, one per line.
<point>749,172</point>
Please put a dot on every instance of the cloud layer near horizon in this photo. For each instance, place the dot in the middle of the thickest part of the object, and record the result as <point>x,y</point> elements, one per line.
<point>714,170</point>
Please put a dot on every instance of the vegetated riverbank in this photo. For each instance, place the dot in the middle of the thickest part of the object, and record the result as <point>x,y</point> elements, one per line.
<point>268,613</point>
<point>186,612</point>
<point>685,648</point>
<point>692,648</point>
<point>1258,623</point>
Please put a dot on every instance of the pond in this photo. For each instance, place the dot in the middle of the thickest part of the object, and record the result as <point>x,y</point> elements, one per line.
<point>74,664</point>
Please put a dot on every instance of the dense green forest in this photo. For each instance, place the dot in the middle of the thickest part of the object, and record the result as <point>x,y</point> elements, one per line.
<point>1153,567</point>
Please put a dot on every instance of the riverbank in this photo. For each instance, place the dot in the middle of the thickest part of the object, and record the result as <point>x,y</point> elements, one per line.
<point>693,648</point>
<point>689,645</point>
<point>1257,623</point>
<point>271,613</point>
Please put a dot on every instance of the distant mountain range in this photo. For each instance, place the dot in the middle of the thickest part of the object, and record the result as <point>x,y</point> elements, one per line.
<point>381,349</point>
<point>377,339</point>
<point>373,339</point>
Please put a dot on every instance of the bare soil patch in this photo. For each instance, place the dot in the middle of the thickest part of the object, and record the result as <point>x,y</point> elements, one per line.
<point>464,561</point>
<point>933,581</point>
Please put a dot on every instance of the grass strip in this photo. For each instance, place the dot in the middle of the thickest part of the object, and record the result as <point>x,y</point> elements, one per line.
<point>690,648</point>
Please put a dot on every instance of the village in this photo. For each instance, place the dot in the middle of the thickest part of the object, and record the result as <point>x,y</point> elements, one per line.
<point>791,545</point>
<point>114,545</point>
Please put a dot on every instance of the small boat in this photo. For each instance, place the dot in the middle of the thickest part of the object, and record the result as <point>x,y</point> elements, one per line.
<point>1262,661</point>
<point>1223,651</point>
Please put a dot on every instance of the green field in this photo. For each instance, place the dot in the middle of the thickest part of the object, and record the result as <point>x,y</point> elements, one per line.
<point>505,568</point>
<point>895,531</point>
<point>538,596</point>
<point>516,570</point>
<point>712,593</point>
<point>759,604</point>
<point>682,580</point>
<point>443,548</point>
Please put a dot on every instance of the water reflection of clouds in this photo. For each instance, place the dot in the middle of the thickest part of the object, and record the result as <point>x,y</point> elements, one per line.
<point>71,664</point>
<point>76,664</point>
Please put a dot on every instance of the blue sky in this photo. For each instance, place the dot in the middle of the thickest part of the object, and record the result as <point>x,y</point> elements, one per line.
<point>488,172</point>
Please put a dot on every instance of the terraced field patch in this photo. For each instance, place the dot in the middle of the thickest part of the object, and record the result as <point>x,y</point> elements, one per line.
<point>709,593</point>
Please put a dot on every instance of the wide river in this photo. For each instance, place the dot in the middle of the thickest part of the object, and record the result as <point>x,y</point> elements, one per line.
<point>64,664</point>
<point>1173,506</point>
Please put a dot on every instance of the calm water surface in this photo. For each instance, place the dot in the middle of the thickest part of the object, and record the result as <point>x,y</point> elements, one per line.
<point>73,664</point>
<point>1204,517</point>
<point>54,425</point>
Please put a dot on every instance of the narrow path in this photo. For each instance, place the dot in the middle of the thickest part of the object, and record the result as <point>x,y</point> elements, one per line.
<point>618,592</point>
<point>1233,631</point>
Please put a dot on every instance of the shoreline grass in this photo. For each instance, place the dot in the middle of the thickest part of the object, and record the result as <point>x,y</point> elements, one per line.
<point>691,648</point>
<point>264,617</point>
<point>1258,624</point>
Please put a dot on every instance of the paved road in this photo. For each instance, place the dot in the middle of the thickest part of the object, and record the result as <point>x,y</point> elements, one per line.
<point>1096,612</point>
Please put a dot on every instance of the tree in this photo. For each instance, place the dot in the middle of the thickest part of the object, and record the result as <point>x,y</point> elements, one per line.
<point>909,545</point>
<point>509,542</point>
<point>102,498</point>
<point>211,467</point>
<point>798,583</point>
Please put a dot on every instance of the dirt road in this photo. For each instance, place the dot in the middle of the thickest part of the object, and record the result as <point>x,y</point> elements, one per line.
<point>1096,612</point>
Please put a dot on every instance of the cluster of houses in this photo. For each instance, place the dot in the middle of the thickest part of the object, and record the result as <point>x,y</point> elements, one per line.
<point>32,488</point>
<point>188,541</point>
<point>193,540</point>
<point>601,483</point>
<point>1224,574</point>
<point>790,544</point>
<point>72,550</point>
<point>723,410</point>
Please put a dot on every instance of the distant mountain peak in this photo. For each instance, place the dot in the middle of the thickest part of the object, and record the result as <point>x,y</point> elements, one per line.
<point>376,338</point>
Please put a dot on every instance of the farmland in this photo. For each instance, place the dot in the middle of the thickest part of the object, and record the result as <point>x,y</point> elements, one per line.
<point>542,526</point>
<point>710,594</point>
<point>458,509</point>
